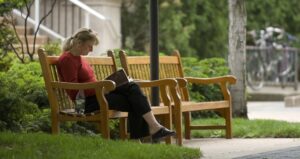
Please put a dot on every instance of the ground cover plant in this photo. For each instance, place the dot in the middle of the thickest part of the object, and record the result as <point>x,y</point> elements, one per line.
<point>41,145</point>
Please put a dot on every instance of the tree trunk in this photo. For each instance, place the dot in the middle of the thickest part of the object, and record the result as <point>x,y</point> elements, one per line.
<point>236,57</point>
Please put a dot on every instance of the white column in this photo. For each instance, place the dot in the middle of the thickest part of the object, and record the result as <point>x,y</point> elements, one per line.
<point>37,14</point>
<point>87,19</point>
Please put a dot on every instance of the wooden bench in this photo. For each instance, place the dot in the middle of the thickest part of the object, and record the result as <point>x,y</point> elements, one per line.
<point>138,67</point>
<point>63,109</point>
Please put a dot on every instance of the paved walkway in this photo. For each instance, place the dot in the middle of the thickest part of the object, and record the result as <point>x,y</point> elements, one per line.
<point>273,110</point>
<point>267,148</point>
<point>218,148</point>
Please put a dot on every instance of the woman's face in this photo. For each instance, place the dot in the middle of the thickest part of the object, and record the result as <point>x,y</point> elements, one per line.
<point>87,47</point>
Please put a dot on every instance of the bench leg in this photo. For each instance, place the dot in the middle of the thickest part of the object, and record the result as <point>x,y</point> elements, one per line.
<point>178,126</point>
<point>228,122</point>
<point>187,124</point>
<point>104,128</point>
<point>55,125</point>
<point>167,122</point>
<point>123,128</point>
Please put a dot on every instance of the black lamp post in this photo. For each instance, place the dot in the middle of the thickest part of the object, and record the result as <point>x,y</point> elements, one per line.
<point>154,49</point>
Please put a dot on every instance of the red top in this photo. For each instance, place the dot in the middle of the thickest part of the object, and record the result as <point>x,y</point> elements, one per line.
<point>76,70</point>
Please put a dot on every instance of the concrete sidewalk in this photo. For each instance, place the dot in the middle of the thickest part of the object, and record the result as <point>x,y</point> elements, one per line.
<point>273,110</point>
<point>266,148</point>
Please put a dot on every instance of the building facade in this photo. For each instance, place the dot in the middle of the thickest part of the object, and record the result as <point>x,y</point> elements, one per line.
<point>103,16</point>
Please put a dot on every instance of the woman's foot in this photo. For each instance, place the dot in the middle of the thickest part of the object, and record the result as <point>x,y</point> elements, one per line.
<point>161,134</point>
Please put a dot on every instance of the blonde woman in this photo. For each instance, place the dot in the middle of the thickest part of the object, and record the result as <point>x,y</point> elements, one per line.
<point>128,97</point>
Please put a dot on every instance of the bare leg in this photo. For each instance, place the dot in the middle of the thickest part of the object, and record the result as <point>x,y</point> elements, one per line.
<point>154,126</point>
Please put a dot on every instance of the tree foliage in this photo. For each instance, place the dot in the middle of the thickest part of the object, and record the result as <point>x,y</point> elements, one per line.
<point>195,27</point>
<point>173,32</point>
<point>135,26</point>
<point>200,27</point>
<point>8,5</point>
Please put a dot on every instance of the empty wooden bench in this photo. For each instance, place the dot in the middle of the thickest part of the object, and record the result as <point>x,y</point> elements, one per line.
<point>63,109</point>
<point>138,67</point>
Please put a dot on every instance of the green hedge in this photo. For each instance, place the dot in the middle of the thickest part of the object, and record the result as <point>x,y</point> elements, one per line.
<point>212,67</point>
<point>22,94</point>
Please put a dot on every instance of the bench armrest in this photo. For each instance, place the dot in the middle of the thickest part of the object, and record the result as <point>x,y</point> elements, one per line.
<point>157,83</point>
<point>214,80</point>
<point>182,82</point>
<point>222,81</point>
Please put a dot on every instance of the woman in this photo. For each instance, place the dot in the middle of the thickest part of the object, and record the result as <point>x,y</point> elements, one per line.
<point>128,97</point>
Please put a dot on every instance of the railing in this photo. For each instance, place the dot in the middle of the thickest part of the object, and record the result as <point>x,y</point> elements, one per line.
<point>53,24</point>
<point>272,66</point>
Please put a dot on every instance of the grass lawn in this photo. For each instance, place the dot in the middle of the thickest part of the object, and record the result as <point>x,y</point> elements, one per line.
<point>244,128</point>
<point>40,145</point>
<point>63,146</point>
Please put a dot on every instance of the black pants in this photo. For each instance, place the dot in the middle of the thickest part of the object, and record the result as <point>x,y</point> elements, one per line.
<point>127,98</point>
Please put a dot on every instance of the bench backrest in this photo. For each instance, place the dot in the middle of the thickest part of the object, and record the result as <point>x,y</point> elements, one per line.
<point>103,66</point>
<point>138,67</point>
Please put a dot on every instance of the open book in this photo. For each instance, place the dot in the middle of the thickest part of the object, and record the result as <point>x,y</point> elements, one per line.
<point>119,77</point>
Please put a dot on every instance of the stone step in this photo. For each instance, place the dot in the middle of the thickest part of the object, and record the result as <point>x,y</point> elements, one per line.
<point>1,19</point>
<point>271,93</point>
<point>21,30</point>
<point>265,97</point>
<point>18,46</point>
<point>7,19</point>
<point>40,39</point>
<point>292,101</point>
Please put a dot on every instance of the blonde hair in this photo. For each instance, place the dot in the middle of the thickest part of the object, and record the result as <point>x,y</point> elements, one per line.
<point>80,36</point>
